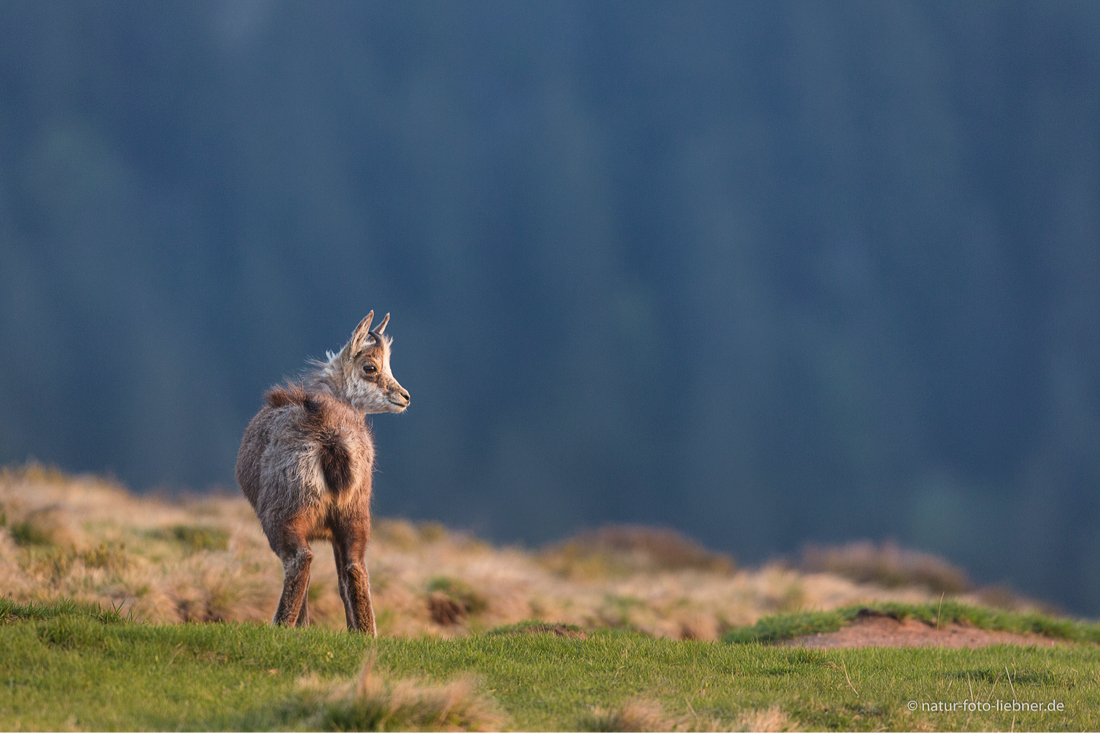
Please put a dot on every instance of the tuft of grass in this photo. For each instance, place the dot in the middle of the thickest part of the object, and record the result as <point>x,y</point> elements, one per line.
<point>793,625</point>
<point>66,631</point>
<point>620,550</point>
<point>617,611</point>
<point>634,715</point>
<point>886,564</point>
<point>107,556</point>
<point>450,600</point>
<point>195,538</point>
<point>767,720</point>
<point>29,532</point>
<point>51,563</point>
<point>374,702</point>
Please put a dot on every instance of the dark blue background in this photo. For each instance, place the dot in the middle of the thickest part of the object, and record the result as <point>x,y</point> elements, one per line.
<point>767,272</point>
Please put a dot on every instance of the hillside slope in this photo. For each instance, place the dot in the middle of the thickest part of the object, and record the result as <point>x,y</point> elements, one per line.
<point>204,558</point>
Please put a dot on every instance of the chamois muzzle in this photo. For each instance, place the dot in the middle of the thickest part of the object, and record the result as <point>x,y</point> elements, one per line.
<point>399,398</point>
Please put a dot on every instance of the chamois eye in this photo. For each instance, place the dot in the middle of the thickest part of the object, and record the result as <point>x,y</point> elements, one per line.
<point>369,368</point>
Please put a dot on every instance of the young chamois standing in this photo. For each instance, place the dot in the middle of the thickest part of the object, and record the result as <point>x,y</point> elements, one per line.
<point>305,465</point>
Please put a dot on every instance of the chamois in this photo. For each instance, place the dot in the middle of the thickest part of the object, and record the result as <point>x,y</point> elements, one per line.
<point>305,465</point>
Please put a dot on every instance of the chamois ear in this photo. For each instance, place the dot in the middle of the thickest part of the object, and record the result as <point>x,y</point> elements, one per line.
<point>358,339</point>
<point>382,325</point>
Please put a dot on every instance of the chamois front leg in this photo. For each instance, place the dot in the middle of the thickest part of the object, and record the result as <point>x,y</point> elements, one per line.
<point>351,567</point>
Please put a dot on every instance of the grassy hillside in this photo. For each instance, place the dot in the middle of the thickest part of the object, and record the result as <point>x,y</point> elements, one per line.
<point>204,558</point>
<point>125,612</point>
<point>75,668</point>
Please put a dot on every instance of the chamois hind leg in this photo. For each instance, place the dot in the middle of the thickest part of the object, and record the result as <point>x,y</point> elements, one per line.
<point>296,556</point>
<point>341,582</point>
<point>352,570</point>
<point>303,615</point>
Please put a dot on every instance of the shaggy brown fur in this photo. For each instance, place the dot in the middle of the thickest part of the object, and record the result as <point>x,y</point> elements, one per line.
<point>320,424</point>
<point>305,465</point>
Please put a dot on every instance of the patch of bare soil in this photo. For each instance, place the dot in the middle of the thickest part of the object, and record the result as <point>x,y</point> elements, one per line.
<point>875,630</point>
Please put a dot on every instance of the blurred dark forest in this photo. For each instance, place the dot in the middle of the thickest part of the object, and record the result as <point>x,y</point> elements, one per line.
<point>769,273</point>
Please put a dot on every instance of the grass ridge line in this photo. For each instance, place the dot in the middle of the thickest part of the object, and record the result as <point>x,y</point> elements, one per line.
<point>781,627</point>
<point>767,630</point>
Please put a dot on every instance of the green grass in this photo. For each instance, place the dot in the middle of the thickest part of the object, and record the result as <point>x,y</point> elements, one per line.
<point>194,538</point>
<point>460,592</point>
<point>534,626</point>
<point>790,625</point>
<point>11,612</point>
<point>69,666</point>
<point>29,533</point>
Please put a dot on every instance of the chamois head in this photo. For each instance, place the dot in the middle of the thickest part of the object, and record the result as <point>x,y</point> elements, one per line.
<point>363,369</point>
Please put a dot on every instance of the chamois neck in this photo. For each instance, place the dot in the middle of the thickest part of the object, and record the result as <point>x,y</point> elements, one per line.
<point>328,378</point>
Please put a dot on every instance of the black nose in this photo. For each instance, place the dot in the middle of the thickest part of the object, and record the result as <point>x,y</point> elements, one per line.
<point>405,394</point>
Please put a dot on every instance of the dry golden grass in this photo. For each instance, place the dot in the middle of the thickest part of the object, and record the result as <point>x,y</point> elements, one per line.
<point>769,720</point>
<point>622,550</point>
<point>640,714</point>
<point>372,702</point>
<point>204,558</point>
<point>634,715</point>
